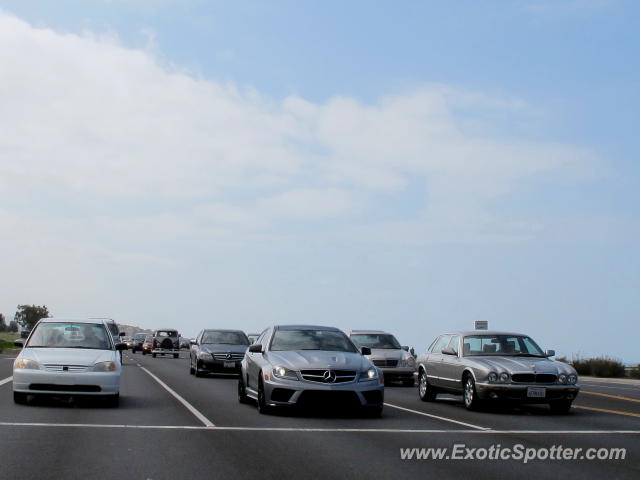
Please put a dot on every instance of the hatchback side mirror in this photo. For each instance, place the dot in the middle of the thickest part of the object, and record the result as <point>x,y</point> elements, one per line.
<point>18,343</point>
<point>255,348</point>
<point>121,346</point>
<point>365,351</point>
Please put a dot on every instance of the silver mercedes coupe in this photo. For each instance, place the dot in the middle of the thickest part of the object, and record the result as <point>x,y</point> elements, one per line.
<point>309,366</point>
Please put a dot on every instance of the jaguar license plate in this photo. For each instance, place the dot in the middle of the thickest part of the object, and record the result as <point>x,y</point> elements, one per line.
<point>536,392</point>
<point>229,364</point>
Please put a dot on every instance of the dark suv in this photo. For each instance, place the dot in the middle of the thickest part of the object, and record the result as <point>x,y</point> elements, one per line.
<point>166,341</point>
<point>137,341</point>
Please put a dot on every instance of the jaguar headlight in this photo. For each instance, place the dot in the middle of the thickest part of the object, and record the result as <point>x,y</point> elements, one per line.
<point>504,377</point>
<point>562,378</point>
<point>284,372</point>
<point>105,367</point>
<point>26,364</point>
<point>492,377</point>
<point>572,379</point>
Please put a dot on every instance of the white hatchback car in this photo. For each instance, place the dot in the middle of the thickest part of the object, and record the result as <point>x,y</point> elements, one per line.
<point>68,357</point>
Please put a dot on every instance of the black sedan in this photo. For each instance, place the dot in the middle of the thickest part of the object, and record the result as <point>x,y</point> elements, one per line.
<point>217,351</point>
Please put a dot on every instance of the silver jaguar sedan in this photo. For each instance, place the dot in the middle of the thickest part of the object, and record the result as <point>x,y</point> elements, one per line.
<point>68,357</point>
<point>491,366</point>
<point>309,366</point>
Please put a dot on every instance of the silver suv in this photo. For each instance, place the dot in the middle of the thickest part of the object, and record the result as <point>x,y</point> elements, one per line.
<point>387,354</point>
<point>312,366</point>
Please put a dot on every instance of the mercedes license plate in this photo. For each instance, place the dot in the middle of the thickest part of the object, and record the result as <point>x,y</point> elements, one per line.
<point>229,364</point>
<point>536,392</point>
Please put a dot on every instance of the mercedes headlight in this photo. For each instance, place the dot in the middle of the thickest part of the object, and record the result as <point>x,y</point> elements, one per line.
<point>370,374</point>
<point>284,372</point>
<point>105,367</point>
<point>26,364</point>
<point>573,379</point>
<point>204,355</point>
<point>492,377</point>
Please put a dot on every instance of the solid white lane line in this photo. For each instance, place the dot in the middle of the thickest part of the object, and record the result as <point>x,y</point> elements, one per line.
<point>445,419</point>
<point>6,380</point>
<point>187,405</point>
<point>327,430</point>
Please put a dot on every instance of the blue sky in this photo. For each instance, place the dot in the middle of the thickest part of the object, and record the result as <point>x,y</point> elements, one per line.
<point>408,166</point>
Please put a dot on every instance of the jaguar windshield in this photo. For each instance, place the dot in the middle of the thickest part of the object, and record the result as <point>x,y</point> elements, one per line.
<point>327,340</point>
<point>70,335</point>
<point>501,345</point>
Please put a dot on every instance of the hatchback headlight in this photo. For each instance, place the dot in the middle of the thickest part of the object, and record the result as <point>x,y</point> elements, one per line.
<point>368,375</point>
<point>572,379</point>
<point>284,372</point>
<point>26,364</point>
<point>105,367</point>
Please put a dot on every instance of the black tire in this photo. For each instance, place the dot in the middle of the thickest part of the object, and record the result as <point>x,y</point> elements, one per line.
<point>262,400</point>
<point>561,407</point>
<point>176,355</point>
<point>242,391</point>
<point>196,371</point>
<point>426,391</point>
<point>153,355</point>
<point>20,398</point>
<point>191,369</point>
<point>470,395</point>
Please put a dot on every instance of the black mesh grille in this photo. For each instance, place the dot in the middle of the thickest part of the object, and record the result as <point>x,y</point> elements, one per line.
<point>385,363</point>
<point>373,397</point>
<point>322,398</point>
<point>534,378</point>
<point>281,394</point>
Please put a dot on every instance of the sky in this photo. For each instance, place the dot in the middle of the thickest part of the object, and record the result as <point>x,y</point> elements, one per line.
<point>405,166</point>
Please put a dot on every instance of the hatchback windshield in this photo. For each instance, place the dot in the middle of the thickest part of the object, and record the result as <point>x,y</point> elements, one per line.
<point>69,335</point>
<point>501,345</point>
<point>307,339</point>
<point>230,338</point>
<point>376,340</point>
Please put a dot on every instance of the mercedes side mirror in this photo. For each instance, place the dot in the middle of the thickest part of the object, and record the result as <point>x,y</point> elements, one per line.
<point>550,353</point>
<point>365,351</point>
<point>255,348</point>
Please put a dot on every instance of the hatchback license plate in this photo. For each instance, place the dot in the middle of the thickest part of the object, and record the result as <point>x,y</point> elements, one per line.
<point>229,364</point>
<point>536,392</point>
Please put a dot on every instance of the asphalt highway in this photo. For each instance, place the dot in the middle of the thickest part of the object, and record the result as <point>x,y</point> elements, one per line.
<point>171,425</point>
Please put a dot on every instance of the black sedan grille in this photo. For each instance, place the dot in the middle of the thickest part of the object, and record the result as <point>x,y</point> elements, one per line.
<point>329,376</point>
<point>534,378</point>
<point>228,356</point>
<point>385,363</point>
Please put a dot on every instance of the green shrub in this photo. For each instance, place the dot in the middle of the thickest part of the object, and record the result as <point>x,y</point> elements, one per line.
<point>635,372</point>
<point>599,367</point>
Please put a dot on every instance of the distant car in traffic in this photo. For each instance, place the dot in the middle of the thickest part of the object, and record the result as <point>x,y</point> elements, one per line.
<point>388,355</point>
<point>491,366</point>
<point>147,345</point>
<point>166,341</point>
<point>68,357</point>
<point>217,351</point>
<point>309,366</point>
<point>136,342</point>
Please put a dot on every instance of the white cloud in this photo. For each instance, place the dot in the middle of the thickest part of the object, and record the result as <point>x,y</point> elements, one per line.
<point>84,114</point>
